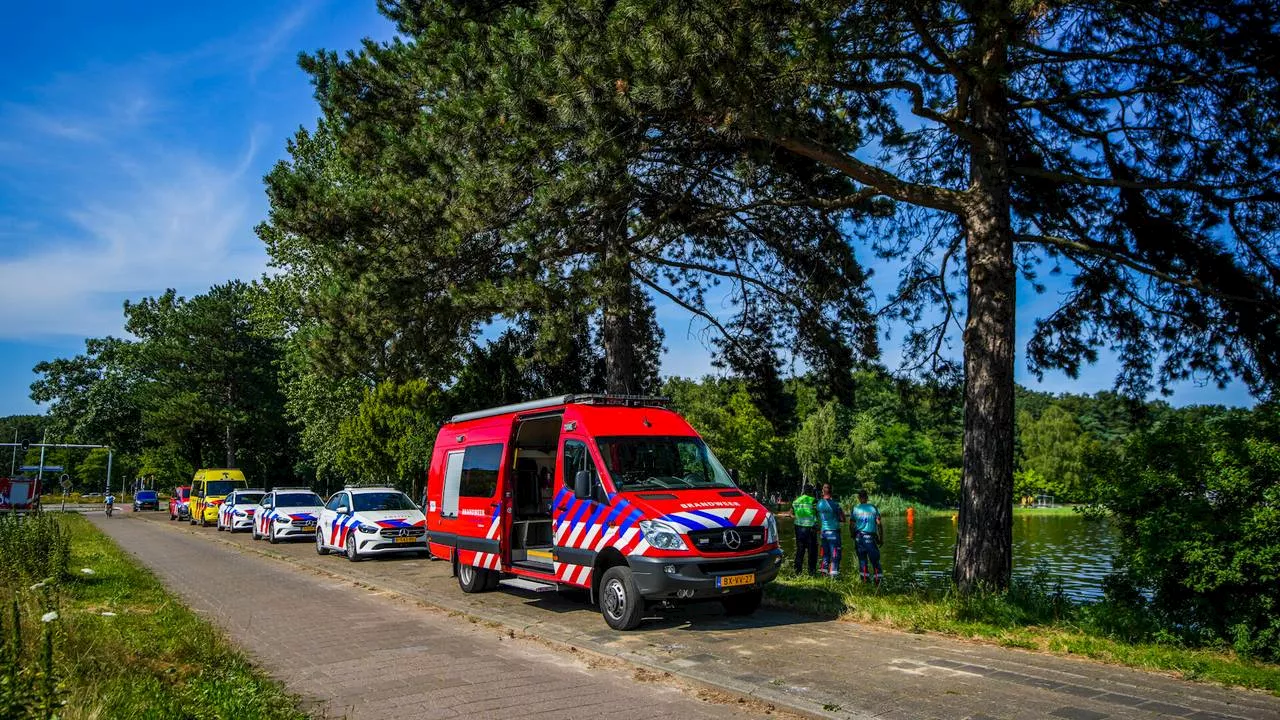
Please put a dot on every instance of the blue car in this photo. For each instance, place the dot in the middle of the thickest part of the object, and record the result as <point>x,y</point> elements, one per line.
<point>146,500</point>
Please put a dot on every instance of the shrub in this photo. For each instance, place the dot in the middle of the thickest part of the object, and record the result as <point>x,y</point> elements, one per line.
<point>1196,501</point>
<point>32,547</point>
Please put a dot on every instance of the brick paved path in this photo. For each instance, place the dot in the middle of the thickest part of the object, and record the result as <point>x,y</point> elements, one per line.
<point>837,669</point>
<point>357,653</point>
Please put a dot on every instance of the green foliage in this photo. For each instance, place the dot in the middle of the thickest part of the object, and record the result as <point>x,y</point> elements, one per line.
<point>390,437</point>
<point>1055,456</point>
<point>199,387</point>
<point>163,467</point>
<point>33,547</point>
<point>29,684</point>
<point>1196,500</point>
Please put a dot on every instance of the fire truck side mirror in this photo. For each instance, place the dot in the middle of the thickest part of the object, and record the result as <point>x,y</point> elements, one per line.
<point>582,484</point>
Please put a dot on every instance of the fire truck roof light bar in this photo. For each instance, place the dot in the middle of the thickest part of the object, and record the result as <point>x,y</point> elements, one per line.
<point>588,399</point>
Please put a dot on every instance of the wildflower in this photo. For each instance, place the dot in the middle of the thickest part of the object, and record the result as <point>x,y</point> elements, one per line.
<point>49,616</point>
<point>87,571</point>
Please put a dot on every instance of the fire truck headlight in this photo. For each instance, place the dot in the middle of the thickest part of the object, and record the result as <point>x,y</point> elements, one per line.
<point>661,535</point>
<point>770,529</point>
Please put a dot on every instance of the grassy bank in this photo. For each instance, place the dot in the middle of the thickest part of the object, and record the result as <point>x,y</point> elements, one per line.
<point>123,646</point>
<point>1031,616</point>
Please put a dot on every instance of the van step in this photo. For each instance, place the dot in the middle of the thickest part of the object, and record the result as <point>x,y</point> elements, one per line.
<point>540,555</point>
<point>534,565</point>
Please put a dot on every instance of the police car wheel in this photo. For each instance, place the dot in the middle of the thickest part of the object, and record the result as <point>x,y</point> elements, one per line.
<point>352,553</point>
<point>742,603</point>
<point>620,600</point>
<point>271,533</point>
<point>320,548</point>
<point>472,579</point>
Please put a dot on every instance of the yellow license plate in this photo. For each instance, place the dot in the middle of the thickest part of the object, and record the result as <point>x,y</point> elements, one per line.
<point>406,539</point>
<point>736,580</point>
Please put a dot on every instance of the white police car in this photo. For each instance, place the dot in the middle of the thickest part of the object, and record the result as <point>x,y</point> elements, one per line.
<point>287,513</point>
<point>365,521</point>
<point>237,511</point>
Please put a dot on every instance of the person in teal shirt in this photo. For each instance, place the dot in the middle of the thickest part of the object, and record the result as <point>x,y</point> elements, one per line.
<point>867,534</point>
<point>806,524</point>
<point>830,516</point>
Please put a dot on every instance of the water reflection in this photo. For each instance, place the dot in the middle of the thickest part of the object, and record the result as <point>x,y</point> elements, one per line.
<point>1076,552</point>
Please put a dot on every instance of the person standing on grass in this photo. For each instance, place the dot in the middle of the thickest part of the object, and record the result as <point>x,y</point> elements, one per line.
<point>830,517</point>
<point>806,528</point>
<point>868,533</point>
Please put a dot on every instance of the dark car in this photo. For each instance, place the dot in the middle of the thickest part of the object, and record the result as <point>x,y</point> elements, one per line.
<point>146,500</point>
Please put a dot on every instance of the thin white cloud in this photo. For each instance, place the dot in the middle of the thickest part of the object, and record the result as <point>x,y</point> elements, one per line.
<point>188,227</point>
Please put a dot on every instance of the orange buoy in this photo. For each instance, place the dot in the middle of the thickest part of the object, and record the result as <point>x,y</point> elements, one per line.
<point>911,515</point>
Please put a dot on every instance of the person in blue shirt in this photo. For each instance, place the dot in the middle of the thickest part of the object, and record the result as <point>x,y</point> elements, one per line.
<point>830,516</point>
<point>868,532</point>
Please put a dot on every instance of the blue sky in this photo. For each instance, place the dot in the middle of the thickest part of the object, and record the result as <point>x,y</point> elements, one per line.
<point>133,140</point>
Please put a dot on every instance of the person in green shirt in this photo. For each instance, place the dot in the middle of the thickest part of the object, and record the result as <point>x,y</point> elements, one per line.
<point>806,529</point>
<point>868,532</point>
<point>830,516</point>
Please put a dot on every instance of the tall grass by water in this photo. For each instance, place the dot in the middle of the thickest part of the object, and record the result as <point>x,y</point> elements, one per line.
<point>104,639</point>
<point>32,547</point>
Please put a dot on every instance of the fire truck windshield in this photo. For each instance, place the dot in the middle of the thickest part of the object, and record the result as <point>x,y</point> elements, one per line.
<point>672,463</point>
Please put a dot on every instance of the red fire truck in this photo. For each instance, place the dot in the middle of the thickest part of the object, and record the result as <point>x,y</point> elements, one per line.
<point>616,495</point>
<point>19,494</point>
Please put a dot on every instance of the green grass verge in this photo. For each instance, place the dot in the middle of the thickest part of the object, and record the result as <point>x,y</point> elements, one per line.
<point>153,658</point>
<point>1027,617</point>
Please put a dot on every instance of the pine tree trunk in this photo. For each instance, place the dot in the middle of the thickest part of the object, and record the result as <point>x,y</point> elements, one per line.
<point>619,351</point>
<point>984,545</point>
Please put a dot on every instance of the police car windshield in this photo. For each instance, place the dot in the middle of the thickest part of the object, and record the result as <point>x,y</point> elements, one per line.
<point>670,463</point>
<point>375,501</point>
<point>298,499</point>
<point>249,498</point>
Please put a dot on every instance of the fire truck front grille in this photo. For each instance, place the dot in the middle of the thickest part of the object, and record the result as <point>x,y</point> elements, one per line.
<point>721,540</point>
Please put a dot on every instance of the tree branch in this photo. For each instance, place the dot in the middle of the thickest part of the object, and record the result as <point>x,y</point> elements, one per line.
<point>1111,253</point>
<point>702,313</point>
<point>885,182</point>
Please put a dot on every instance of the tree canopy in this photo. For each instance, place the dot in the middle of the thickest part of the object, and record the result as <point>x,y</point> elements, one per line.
<point>1130,146</point>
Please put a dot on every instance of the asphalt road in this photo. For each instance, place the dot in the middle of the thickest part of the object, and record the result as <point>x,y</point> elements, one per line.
<point>355,652</point>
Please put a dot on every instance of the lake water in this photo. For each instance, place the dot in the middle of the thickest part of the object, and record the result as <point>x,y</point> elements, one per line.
<point>1075,551</point>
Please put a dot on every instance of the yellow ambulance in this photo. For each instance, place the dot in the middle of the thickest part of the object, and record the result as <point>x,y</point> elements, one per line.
<point>209,488</point>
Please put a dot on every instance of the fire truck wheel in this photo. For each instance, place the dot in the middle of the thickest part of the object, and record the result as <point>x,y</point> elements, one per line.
<point>742,603</point>
<point>473,579</point>
<point>620,600</point>
<point>320,548</point>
